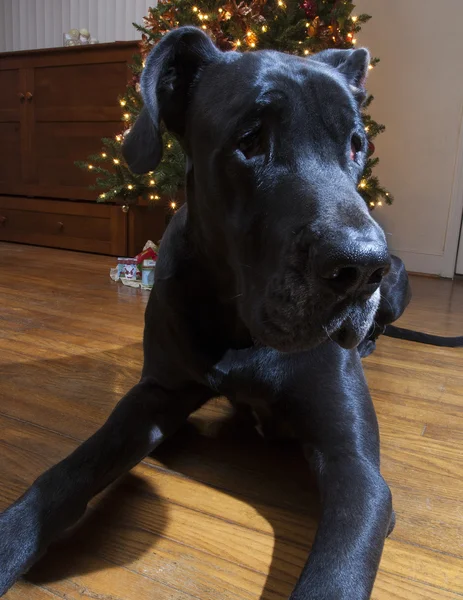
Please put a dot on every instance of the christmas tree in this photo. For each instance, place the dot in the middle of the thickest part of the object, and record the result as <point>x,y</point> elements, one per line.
<point>301,27</point>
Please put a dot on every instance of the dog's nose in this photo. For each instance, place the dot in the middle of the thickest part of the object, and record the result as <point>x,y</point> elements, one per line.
<point>355,267</point>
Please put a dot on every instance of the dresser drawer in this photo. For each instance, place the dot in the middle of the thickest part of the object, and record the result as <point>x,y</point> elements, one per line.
<point>90,227</point>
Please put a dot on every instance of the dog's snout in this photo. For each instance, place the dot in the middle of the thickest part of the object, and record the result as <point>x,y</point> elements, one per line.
<point>353,267</point>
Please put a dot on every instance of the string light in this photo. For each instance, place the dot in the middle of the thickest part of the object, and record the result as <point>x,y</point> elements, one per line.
<point>367,129</point>
<point>253,44</point>
<point>363,183</point>
<point>151,197</point>
<point>116,161</point>
<point>370,67</point>
<point>130,186</point>
<point>200,17</point>
<point>220,10</point>
<point>387,193</point>
<point>354,19</point>
<point>306,52</point>
<point>372,203</point>
<point>118,138</point>
<point>281,3</point>
<point>157,197</point>
<point>103,195</point>
<point>123,102</point>
<point>354,41</point>
<point>349,35</point>
<point>264,28</point>
<point>143,63</point>
<point>90,167</point>
<point>307,24</point>
<point>126,116</point>
<point>195,9</point>
<point>380,203</point>
<point>152,182</point>
<point>204,27</point>
<point>238,43</point>
<point>103,155</point>
<point>169,145</point>
<point>173,205</point>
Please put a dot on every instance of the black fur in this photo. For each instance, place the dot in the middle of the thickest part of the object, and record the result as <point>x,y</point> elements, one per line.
<point>266,283</point>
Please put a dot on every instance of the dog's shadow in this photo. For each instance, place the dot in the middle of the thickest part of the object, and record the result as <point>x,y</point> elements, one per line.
<point>226,454</point>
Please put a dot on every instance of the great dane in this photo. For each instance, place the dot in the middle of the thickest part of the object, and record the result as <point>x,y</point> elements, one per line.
<point>268,279</point>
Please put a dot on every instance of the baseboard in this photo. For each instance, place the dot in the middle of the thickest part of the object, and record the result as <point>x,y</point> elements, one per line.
<point>425,264</point>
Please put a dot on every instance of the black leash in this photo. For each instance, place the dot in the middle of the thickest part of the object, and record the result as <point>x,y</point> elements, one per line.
<point>423,338</point>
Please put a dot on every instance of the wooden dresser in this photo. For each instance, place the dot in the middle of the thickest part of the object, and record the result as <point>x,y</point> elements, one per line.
<point>55,106</point>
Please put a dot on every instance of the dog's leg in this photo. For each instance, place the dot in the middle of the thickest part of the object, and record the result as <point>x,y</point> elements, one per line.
<point>58,498</point>
<point>339,427</point>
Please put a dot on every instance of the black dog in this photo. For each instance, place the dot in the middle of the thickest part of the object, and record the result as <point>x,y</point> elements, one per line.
<point>265,285</point>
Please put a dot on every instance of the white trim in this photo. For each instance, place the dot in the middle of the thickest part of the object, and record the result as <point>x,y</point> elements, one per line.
<point>416,262</point>
<point>455,212</point>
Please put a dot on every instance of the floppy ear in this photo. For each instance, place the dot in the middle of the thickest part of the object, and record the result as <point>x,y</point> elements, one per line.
<point>353,64</point>
<point>170,71</point>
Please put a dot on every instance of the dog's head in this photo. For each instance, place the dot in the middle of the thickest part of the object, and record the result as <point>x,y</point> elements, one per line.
<point>275,149</point>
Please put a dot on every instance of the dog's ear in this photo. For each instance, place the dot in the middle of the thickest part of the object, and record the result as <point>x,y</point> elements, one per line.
<point>170,71</point>
<point>353,64</point>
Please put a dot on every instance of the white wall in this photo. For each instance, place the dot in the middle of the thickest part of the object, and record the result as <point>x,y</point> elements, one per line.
<point>418,89</point>
<point>28,24</point>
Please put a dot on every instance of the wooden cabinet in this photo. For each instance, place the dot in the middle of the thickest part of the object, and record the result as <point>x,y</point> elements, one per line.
<point>55,106</point>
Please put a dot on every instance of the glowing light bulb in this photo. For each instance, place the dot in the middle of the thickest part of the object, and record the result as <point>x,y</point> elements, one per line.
<point>372,203</point>
<point>103,195</point>
<point>281,3</point>
<point>354,19</point>
<point>354,41</point>
<point>169,145</point>
<point>118,138</point>
<point>126,116</point>
<point>152,182</point>
<point>252,44</point>
<point>380,203</point>
<point>370,67</point>
<point>238,43</point>
<point>367,129</point>
<point>90,167</point>
<point>220,10</point>
<point>387,193</point>
<point>130,186</point>
<point>173,204</point>
<point>204,27</point>
<point>123,102</point>
<point>307,24</point>
<point>195,9</point>
<point>249,33</point>
<point>363,183</point>
<point>116,161</point>
<point>306,52</point>
<point>151,197</point>
<point>264,28</point>
<point>103,155</point>
<point>157,197</point>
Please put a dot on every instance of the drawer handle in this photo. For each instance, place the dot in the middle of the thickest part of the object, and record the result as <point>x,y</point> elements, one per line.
<point>21,97</point>
<point>29,96</point>
<point>2,220</point>
<point>60,225</point>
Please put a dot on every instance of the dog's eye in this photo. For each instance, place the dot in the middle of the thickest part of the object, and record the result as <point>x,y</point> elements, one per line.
<point>355,146</point>
<point>250,144</point>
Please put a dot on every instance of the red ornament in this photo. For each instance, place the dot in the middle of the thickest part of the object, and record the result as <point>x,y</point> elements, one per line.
<point>371,147</point>
<point>310,8</point>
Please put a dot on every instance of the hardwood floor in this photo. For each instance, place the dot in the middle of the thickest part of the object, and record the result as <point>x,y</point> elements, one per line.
<point>215,514</point>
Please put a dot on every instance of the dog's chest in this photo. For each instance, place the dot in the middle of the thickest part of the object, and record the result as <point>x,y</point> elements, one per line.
<point>269,423</point>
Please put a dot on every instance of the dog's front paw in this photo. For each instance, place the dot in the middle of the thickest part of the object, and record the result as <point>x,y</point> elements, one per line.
<point>19,543</point>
